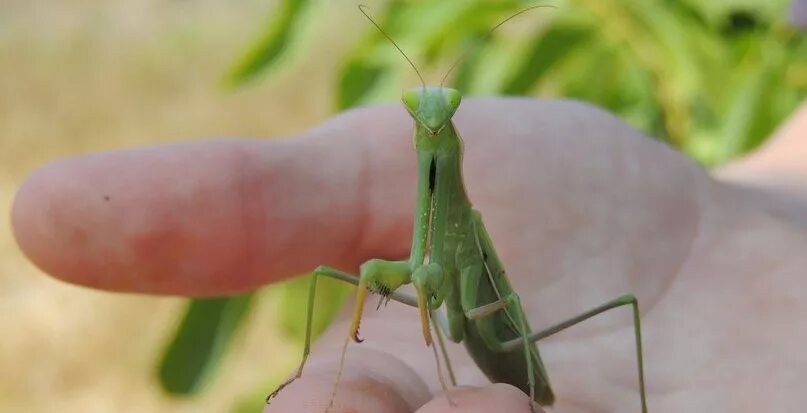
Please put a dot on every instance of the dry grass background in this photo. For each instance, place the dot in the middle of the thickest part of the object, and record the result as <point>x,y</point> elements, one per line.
<point>87,75</point>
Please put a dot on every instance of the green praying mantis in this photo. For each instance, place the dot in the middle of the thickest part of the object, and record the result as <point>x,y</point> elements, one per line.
<point>462,289</point>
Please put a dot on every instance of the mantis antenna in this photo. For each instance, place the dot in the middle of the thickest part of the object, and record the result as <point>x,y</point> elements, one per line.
<point>467,51</point>
<point>361,9</point>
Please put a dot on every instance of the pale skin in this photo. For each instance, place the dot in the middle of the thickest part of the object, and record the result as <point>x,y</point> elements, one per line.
<point>581,208</point>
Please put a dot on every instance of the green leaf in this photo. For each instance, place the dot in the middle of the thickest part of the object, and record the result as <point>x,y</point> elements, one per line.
<point>254,401</point>
<point>358,80</point>
<point>464,75</point>
<point>753,111</point>
<point>272,44</point>
<point>250,404</point>
<point>720,12</point>
<point>448,25</point>
<point>547,49</point>
<point>201,341</point>
<point>746,106</point>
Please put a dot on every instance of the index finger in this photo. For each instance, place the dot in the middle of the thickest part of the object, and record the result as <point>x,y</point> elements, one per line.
<point>214,217</point>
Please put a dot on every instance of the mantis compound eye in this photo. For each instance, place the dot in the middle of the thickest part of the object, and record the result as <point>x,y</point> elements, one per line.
<point>452,98</point>
<point>411,99</point>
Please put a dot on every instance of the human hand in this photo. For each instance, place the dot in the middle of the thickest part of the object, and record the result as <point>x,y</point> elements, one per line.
<point>581,209</point>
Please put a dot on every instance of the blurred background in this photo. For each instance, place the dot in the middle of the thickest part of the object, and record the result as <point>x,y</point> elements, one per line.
<point>712,78</point>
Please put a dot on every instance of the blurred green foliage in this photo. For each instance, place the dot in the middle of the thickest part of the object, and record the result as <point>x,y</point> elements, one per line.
<point>202,338</point>
<point>281,32</point>
<point>713,78</point>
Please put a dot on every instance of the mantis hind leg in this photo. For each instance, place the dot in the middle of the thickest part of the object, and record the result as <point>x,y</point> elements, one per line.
<point>511,306</point>
<point>488,300</point>
<point>485,249</point>
<point>623,300</point>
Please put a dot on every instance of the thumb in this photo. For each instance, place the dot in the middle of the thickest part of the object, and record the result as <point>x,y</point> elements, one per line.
<point>491,398</point>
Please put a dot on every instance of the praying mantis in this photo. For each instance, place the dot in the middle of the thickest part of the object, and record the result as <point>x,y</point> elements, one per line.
<point>462,289</point>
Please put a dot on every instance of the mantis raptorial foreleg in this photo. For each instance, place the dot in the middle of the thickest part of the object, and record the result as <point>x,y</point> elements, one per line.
<point>398,296</point>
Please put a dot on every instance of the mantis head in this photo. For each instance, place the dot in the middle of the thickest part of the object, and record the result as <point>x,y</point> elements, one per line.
<point>432,107</point>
